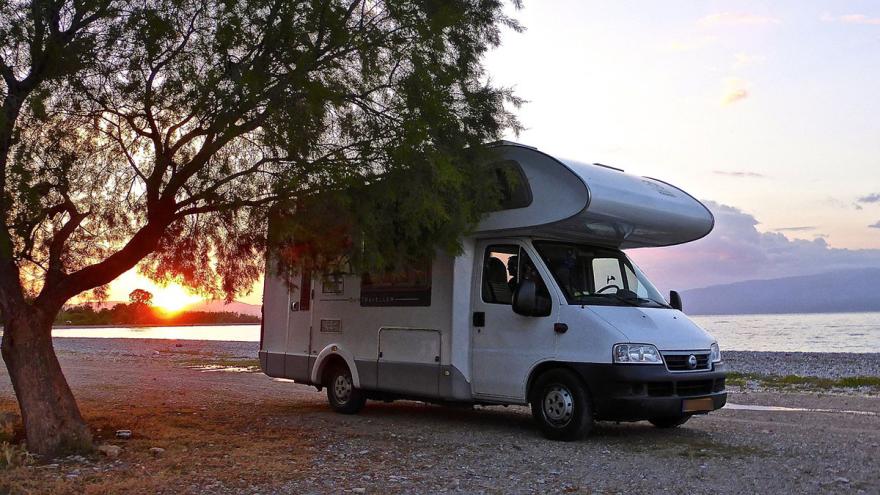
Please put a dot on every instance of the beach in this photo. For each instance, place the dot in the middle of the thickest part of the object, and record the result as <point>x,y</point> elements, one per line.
<point>224,427</point>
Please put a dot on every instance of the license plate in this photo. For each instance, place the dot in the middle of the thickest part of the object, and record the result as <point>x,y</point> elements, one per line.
<point>697,405</point>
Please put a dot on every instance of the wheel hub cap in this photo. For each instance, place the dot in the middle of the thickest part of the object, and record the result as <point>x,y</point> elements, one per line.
<point>558,405</point>
<point>342,388</point>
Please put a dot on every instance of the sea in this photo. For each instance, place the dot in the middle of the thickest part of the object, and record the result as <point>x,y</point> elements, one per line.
<point>818,332</point>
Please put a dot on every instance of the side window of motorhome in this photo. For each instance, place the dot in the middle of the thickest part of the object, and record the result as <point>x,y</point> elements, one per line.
<point>514,187</point>
<point>408,287</point>
<point>499,273</point>
<point>305,291</point>
<point>503,267</point>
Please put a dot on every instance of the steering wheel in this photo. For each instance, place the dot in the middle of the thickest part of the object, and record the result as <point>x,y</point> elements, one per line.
<point>603,289</point>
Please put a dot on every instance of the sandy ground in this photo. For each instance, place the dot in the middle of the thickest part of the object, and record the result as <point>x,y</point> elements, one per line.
<point>242,432</point>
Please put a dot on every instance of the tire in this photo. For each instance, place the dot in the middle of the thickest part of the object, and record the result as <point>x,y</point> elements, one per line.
<point>670,422</point>
<point>561,405</point>
<point>341,394</point>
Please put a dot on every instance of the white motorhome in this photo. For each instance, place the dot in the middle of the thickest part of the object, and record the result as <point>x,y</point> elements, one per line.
<point>541,307</point>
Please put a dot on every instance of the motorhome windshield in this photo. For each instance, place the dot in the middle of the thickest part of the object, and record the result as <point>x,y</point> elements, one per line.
<point>591,275</point>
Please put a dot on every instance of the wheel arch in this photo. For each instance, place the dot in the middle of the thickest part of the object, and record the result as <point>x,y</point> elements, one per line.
<point>545,366</point>
<point>332,354</point>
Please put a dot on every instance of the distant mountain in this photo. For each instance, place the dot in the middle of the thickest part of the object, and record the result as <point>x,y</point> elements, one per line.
<point>218,306</point>
<point>833,292</point>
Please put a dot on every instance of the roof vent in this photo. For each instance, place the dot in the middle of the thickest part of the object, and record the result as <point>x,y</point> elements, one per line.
<point>504,142</point>
<point>609,166</point>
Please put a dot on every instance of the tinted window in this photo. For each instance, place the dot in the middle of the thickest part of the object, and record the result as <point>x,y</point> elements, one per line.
<point>514,187</point>
<point>407,287</point>
<point>504,266</point>
<point>499,273</point>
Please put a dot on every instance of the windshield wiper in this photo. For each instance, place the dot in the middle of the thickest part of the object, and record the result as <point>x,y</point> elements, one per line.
<point>632,301</point>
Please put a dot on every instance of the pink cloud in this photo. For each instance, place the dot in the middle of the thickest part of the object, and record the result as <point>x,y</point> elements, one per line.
<point>736,250</point>
<point>736,18</point>
<point>852,19</point>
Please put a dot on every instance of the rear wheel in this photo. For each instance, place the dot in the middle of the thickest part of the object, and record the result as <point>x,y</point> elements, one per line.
<point>561,405</point>
<point>341,393</point>
<point>670,422</point>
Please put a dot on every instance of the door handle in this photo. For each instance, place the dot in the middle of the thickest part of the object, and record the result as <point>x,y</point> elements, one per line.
<point>479,319</point>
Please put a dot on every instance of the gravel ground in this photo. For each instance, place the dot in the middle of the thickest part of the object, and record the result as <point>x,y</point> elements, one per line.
<point>409,447</point>
<point>819,364</point>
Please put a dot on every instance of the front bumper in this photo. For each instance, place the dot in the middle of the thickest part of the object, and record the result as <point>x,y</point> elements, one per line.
<point>635,392</point>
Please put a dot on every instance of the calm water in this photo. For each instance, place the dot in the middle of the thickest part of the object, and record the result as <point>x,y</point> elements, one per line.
<point>831,332</point>
<point>821,332</point>
<point>246,333</point>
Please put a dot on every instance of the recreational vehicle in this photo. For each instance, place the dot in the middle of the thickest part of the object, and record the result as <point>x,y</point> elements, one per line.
<point>542,308</point>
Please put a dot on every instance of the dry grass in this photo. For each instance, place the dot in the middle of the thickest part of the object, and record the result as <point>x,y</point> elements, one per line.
<point>234,445</point>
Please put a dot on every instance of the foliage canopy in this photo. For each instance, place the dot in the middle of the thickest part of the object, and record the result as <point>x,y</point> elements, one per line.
<point>166,128</point>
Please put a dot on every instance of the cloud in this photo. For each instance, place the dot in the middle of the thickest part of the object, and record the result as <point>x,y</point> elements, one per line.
<point>871,198</point>
<point>735,89</point>
<point>739,173</point>
<point>875,225</point>
<point>852,19</point>
<point>794,229</point>
<point>736,19</point>
<point>690,44</point>
<point>741,60</point>
<point>736,250</point>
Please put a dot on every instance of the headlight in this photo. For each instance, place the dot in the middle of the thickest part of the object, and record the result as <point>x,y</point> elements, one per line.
<point>715,353</point>
<point>636,354</point>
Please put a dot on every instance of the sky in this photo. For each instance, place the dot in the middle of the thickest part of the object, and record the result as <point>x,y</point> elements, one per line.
<point>766,111</point>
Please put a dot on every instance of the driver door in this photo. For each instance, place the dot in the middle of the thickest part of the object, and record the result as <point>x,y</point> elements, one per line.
<point>506,345</point>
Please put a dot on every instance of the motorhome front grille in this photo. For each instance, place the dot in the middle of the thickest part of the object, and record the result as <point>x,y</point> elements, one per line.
<point>680,362</point>
<point>695,387</point>
<point>660,389</point>
<point>689,388</point>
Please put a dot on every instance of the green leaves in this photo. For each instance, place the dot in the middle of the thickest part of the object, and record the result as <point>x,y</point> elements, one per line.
<point>184,122</point>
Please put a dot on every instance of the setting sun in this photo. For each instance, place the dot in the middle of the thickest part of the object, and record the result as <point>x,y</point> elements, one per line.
<point>173,298</point>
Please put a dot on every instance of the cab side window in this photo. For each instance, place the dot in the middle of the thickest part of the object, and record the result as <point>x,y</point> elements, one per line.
<point>499,273</point>
<point>504,266</point>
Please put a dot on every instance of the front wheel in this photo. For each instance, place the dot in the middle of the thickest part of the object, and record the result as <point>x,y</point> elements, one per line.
<point>341,393</point>
<point>561,405</point>
<point>670,422</point>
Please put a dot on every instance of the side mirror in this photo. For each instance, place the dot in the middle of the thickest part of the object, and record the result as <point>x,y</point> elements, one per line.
<point>526,301</point>
<point>675,300</point>
<point>525,298</point>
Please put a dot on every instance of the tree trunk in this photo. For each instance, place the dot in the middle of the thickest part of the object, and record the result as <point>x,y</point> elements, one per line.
<point>52,421</point>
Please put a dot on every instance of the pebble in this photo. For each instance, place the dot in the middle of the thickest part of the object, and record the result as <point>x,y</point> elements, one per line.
<point>123,434</point>
<point>111,451</point>
<point>157,451</point>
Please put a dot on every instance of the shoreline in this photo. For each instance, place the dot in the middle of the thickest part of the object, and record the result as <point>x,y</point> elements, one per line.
<point>831,365</point>
<point>147,325</point>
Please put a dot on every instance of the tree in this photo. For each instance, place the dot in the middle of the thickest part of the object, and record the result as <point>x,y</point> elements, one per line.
<point>161,132</point>
<point>140,297</point>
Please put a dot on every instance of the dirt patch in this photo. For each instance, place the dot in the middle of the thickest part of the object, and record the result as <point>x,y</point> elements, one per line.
<point>235,447</point>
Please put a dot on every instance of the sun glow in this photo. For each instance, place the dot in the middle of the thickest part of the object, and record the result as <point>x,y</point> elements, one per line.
<point>173,298</point>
